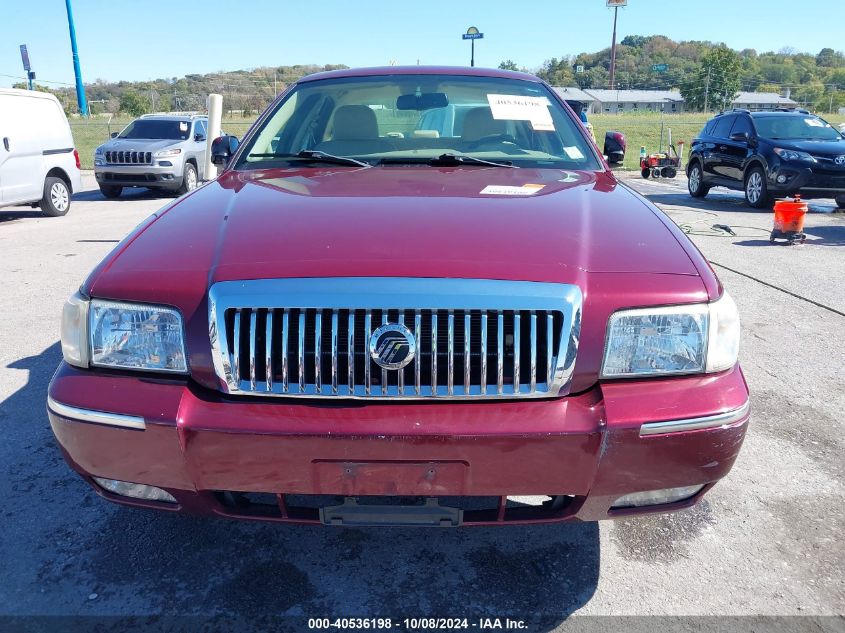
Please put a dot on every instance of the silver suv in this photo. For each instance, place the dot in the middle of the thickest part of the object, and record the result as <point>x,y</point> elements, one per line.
<point>157,151</point>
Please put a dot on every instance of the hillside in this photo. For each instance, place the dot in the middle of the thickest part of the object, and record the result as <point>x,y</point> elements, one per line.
<point>816,80</point>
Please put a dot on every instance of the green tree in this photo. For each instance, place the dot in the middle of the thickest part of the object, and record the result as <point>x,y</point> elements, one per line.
<point>508,64</point>
<point>557,72</point>
<point>134,104</point>
<point>717,82</point>
<point>828,58</point>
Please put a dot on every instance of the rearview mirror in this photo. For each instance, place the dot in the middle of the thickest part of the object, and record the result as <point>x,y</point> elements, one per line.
<point>424,101</point>
<point>199,137</point>
<point>740,137</point>
<point>114,134</point>
<point>222,149</point>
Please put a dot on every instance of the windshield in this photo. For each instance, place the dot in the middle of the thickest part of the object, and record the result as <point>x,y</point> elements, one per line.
<point>795,127</point>
<point>418,118</point>
<point>157,129</point>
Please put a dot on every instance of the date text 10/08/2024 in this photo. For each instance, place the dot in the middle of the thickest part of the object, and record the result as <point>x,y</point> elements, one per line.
<point>417,623</point>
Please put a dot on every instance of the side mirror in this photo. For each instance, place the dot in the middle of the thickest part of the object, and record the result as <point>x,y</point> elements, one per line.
<point>740,137</point>
<point>222,149</point>
<point>199,137</point>
<point>114,134</point>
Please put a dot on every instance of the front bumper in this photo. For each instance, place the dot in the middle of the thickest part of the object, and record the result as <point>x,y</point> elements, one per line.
<point>211,452</point>
<point>168,176</point>
<point>808,182</point>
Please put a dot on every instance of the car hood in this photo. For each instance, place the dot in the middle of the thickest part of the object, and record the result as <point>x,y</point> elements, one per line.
<point>581,228</point>
<point>520,224</point>
<point>136,144</point>
<point>819,148</point>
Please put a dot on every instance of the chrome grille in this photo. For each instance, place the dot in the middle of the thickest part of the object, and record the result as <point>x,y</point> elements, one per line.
<point>129,158</point>
<point>474,338</point>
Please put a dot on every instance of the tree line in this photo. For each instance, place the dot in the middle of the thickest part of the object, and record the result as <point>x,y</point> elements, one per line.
<point>697,68</point>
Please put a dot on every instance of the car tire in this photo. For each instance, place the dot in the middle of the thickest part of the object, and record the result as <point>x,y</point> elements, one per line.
<point>645,172</point>
<point>840,202</point>
<point>56,199</point>
<point>695,185</point>
<point>756,189</point>
<point>111,191</point>
<point>189,179</point>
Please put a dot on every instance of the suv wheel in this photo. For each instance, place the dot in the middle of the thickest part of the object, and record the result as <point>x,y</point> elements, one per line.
<point>696,186</point>
<point>756,189</point>
<point>840,202</point>
<point>56,199</point>
<point>189,179</point>
<point>111,191</point>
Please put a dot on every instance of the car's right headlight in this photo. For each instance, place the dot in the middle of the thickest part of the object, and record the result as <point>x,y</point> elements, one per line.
<point>791,154</point>
<point>122,335</point>
<point>672,340</point>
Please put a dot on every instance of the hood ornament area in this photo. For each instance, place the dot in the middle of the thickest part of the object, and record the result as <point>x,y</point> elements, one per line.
<point>392,346</point>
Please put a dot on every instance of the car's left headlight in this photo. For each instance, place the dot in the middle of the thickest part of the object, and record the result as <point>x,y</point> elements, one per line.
<point>168,152</point>
<point>672,340</point>
<point>123,336</point>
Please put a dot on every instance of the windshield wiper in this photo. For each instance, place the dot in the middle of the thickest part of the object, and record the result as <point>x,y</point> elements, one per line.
<point>315,156</point>
<point>446,160</point>
<point>463,159</point>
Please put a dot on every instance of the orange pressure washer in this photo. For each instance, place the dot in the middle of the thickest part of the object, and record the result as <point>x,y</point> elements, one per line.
<point>661,164</point>
<point>789,221</point>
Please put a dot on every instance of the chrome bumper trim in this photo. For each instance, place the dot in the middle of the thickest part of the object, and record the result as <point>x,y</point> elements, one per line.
<point>694,424</point>
<point>97,417</point>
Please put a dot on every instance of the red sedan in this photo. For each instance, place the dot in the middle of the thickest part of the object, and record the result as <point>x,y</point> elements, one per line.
<point>363,321</point>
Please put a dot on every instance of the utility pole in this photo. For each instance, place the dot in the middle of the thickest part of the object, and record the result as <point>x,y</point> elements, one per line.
<point>707,92</point>
<point>613,49</point>
<point>80,89</point>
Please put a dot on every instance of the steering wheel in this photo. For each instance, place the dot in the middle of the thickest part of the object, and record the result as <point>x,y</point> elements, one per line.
<point>492,138</point>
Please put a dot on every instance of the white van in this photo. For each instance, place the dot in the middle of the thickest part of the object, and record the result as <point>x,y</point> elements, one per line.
<point>38,163</point>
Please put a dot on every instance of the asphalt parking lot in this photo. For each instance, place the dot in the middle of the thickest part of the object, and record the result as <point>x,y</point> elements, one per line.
<point>767,540</point>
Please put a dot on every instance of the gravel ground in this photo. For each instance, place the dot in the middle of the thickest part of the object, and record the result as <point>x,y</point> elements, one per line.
<point>766,541</point>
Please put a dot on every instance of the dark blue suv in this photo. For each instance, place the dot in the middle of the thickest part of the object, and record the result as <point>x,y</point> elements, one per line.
<point>768,155</point>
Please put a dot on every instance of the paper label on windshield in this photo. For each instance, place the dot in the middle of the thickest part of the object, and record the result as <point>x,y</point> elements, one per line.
<point>183,126</point>
<point>505,190</point>
<point>573,152</point>
<point>516,108</point>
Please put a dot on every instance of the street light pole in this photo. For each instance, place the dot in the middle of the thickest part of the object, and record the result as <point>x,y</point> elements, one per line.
<point>613,49</point>
<point>80,89</point>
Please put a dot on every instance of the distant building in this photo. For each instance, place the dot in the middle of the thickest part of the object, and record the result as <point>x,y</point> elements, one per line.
<point>669,101</point>
<point>756,101</point>
<point>575,94</point>
<point>613,101</point>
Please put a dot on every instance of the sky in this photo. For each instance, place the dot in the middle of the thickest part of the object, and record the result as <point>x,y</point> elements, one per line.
<point>139,40</point>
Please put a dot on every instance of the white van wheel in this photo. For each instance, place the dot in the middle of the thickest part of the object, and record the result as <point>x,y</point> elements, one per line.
<point>56,200</point>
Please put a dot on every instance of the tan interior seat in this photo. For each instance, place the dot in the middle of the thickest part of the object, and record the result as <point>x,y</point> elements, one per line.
<point>354,131</point>
<point>479,123</point>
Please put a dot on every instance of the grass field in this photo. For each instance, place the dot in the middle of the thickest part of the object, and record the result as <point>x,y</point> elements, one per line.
<point>640,129</point>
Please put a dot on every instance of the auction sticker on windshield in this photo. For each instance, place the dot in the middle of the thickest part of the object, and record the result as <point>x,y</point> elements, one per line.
<point>517,108</point>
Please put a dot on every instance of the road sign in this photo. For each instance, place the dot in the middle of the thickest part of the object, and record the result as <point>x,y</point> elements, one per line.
<point>473,36</point>
<point>579,69</point>
<point>617,3</point>
<point>25,58</point>
<point>659,68</point>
